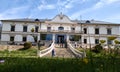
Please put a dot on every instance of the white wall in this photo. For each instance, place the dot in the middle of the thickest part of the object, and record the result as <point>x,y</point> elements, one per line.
<point>103,29</point>
<point>91,30</point>
<point>30,38</point>
<point>6,27</point>
<point>30,26</point>
<point>92,40</point>
<point>19,27</point>
<point>44,26</point>
<point>115,29</point>
<point>18,38</point>
<point>5,37</point>
<point>64,20</point>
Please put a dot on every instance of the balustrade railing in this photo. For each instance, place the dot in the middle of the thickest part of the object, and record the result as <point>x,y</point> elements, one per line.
<point>76,52</point>
<point>46,51</point>
<point>63,31</point>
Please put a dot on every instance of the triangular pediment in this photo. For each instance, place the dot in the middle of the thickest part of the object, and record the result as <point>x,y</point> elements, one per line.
<point>60,18</point>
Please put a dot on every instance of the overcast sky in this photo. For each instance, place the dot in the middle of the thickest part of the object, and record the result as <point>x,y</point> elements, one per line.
<point>103,10</point>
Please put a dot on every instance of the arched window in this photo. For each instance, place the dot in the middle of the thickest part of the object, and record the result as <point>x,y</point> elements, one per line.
<point>87,21</point>
<point>60,28</point>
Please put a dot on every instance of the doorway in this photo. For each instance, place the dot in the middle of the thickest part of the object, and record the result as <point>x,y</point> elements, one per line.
<point>60,39</point>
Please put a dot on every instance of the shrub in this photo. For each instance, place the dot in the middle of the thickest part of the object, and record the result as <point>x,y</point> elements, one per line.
<point>27,45</point>
<point>97,48</point>
<point>116,42</point>
<point>102,41</point>
<point>111,37</point>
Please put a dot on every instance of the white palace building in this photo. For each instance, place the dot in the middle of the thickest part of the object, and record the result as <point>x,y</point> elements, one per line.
<point>58,29</point>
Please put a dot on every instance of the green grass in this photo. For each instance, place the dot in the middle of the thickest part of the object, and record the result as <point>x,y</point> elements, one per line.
<point>18,64</point>
<point>19,53</point>
<point>28,61</point>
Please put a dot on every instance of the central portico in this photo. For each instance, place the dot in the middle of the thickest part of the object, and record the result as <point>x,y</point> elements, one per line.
<point>60,29</point>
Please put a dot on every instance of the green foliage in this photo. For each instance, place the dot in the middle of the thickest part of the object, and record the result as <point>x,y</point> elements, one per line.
<point>111,37</point>
<point>116,42</point>
<point>17,64</point>
<point>102,41</point>
<point>77,37</point>
<point>98,48</point>
<point>32,30</point>
<point>27,45</point>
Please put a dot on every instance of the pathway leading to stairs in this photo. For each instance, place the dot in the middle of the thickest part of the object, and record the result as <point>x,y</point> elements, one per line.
<point>61,52</point>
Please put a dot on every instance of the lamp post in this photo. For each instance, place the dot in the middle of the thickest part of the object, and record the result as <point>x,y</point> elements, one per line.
<point>37,21</point>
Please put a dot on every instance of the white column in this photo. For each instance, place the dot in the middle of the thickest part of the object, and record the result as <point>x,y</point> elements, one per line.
<point>53,37</point>
<point>67,37</point>
<point>38,36</point>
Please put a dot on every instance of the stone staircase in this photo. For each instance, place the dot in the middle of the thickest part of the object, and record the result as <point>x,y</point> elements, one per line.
<point>61,52</point>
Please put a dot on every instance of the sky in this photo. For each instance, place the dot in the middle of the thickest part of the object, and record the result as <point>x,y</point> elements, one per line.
<point>102,10</point>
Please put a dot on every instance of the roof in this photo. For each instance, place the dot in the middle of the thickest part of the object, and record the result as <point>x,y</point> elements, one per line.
<point>43,20</point>
<point>26,20</point>
<point>92,22</point>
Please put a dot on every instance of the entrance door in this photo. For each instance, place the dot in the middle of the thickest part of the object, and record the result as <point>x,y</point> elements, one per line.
<point>60,39</point>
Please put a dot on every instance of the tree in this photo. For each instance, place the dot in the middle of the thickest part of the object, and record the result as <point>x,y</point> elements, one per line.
<point>32,30</point>
<point>35,37</point>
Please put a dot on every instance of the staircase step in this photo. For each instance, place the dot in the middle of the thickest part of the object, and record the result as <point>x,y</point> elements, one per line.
<point>61,52</point>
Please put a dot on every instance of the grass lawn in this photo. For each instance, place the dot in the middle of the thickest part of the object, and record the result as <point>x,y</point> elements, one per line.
<point>27,61</point>
<point>19,53</point>
<point>20,64</point>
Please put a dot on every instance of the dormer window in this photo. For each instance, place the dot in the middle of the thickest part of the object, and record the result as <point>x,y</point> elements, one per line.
<point>36,19</point>
<point>87,21</point>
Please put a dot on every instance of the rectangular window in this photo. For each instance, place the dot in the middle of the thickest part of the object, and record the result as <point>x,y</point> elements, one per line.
<point>109,31</point>
<point>24,28</point>
<point>48,28</point>
<point>85,41</point>
<point>85,30</point>
<point>36,29</point>
<point>96,41</point>
<point>24,39</point>
<point>43,36</point>
<point>96,30</point>
<point>12,27</point>
<point>12,38</point>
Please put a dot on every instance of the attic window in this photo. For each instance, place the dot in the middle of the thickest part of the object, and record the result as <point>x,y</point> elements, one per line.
<point>36,19</point>
<point>87,21</point>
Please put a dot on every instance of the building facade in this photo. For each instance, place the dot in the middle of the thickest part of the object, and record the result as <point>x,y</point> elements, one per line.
<point>59,29</point>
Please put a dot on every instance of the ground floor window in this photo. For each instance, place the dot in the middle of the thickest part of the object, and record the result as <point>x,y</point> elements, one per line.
<point>46,37</point>
<point>24,39</point>
<point>75,37</point>
<point>12,38</point>
<point>109,42</point>
<point>43,36</point>
<point>96,41</point>
<point>85,41</point>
